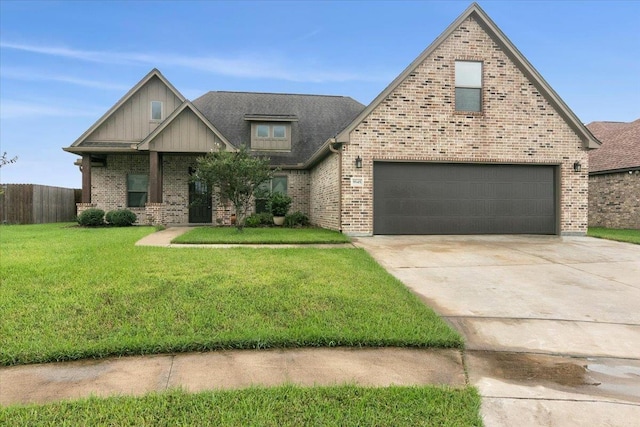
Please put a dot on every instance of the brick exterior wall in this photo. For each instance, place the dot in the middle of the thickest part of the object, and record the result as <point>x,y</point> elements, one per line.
<point>418,122</point>
<point>109,183</point>
<point>614,200</point>
<point>109,189</point>
<point>325,193</point>
<point>298,188</point>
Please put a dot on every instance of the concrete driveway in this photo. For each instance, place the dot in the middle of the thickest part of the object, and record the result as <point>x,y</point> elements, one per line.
<point>552,324</point>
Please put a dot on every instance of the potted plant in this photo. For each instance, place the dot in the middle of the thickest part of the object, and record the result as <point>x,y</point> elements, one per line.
<point>279,204</point>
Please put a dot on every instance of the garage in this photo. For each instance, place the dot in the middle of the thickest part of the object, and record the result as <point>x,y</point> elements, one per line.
<point>463,198</point>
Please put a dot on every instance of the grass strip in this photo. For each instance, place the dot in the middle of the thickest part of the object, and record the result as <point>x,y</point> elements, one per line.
<point>272,235</point>
<point>279,406</point>
<point>620,235</point>
<point>73,293</point>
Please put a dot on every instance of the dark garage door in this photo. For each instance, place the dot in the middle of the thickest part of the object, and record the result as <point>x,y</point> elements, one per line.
<point>434,198</point>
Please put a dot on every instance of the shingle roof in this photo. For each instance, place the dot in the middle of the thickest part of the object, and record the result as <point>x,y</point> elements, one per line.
<point>319,117</point>
<point>620,147</point>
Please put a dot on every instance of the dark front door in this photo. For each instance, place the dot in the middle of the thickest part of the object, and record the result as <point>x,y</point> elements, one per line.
<point>432,198</point>
<point>199,203</point>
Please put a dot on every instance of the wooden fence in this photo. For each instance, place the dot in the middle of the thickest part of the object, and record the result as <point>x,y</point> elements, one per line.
<point>37,204</point>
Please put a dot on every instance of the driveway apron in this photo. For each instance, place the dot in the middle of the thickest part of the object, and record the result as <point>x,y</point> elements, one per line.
<point>552,324</point>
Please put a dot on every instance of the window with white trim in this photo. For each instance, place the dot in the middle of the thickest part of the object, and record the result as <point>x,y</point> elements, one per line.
<point>156,110</point>
<point>469,86</point>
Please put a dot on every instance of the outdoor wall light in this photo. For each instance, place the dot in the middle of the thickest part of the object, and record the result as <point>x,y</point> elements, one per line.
<point>577,167</point>
<point>358,162</point>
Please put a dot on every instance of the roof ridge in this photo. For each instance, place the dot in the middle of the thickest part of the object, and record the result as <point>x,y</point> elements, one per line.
<point>275,93</point>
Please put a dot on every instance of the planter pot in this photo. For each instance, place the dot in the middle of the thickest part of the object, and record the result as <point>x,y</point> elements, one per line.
<point>278,220</point>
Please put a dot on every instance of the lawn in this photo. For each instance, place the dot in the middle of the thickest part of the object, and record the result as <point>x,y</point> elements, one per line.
<point>621,235</point>
<point>71,293</point>
<point>271,235</point>
<point>279,406</point>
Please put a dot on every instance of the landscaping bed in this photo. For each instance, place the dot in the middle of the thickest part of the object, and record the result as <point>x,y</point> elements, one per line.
<point>73,292</point>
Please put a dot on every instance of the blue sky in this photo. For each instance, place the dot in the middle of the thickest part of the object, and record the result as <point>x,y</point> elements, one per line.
<point>63,64</point>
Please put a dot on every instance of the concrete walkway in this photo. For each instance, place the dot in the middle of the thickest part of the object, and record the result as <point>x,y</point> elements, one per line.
<point>229,370</point>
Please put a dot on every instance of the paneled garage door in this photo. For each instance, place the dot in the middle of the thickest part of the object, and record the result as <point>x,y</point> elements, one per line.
<point>435,198</point>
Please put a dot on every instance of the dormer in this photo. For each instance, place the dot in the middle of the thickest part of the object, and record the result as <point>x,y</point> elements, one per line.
<point>271,132</point>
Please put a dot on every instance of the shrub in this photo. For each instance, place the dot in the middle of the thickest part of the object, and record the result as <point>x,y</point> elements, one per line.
<point>92,217</point>
<point>121,217</point>
<point>296,219</point>
<point>258,220</point>
<point>279,204</point>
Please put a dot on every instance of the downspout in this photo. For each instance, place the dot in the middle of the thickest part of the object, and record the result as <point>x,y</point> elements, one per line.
<point>338,151</point>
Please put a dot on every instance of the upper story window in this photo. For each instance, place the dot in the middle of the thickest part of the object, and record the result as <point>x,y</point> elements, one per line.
<point>271,136</point>
<point>469,86</point>
<point>156,110</point>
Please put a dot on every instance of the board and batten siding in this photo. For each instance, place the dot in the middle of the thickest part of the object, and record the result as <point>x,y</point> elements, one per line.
<point>185,134</point>
<point>132,121</point>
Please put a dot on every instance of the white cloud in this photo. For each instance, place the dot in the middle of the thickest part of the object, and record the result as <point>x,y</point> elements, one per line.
<point>30,75</point>
<point>250,66</point>
<point>10,109</point>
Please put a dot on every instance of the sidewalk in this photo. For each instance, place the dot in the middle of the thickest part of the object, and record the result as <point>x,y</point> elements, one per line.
<point>163,238</point>
<point>138,375</point>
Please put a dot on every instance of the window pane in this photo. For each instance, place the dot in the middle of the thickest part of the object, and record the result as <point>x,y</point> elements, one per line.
<point>468,99</point>
<point>279,131</point>
<point>156,110</point>
<point>279,184</point>
<point>138,183</point>
<point>136,200</point>
<point>262,131</point>
<point>468,74</point>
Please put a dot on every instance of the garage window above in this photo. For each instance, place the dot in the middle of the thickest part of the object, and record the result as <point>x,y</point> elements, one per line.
<point>469,86</point>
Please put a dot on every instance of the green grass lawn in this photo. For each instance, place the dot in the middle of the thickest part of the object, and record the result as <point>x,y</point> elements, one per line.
<point>270,235</point>
<point>621,235</point>
<point>71,293</point>
<point>279,406</point>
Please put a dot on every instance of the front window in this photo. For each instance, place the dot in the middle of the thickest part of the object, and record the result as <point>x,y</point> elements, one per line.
<point>279,131</point>
<point>156,110</point>
<point>262,131</point>
<point>137,187</point>
<point>276,185</point>
<point>468,86</point>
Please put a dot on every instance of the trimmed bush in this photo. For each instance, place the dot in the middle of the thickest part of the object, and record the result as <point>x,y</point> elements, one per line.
<point>92,217</point>
<point>279,204</point>
<point>259,220</point>
<point>121,217</point>
<point>296,219</point>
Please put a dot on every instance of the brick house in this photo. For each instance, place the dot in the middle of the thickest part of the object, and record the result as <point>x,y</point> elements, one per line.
<point>468,139</point>
<point>614,175</point>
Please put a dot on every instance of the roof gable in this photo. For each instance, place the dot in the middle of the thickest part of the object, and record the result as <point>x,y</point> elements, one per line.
<point>98,130</point>
<point>185,130</point>
<point>475,12</point>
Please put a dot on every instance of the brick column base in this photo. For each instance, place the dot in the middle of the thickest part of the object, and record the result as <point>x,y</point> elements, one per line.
<point>81,207</point>
<point>154,213</point>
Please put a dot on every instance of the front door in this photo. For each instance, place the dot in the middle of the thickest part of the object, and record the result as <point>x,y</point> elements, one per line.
<point>199,203</point>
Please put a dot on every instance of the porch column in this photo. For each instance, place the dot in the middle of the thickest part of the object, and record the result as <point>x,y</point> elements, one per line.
<point>86,178</point>
<point>155,177</point>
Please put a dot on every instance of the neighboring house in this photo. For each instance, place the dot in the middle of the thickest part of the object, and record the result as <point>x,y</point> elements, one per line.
<point>614,175</point>
<point>468,139</point>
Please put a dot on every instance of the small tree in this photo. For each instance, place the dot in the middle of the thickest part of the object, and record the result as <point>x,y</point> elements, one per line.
<point>235,176</point>
<point>5,161</point>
